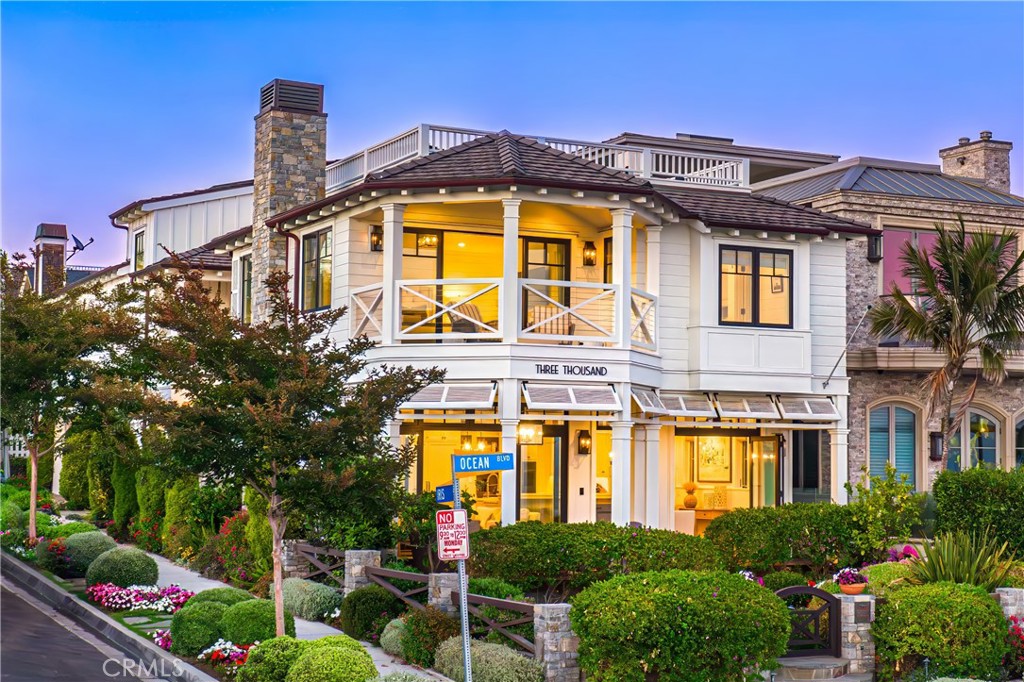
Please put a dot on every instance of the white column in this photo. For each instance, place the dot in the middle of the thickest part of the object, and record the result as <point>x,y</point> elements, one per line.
<point>510,272</point>
<point>621,469</point>
<point>653,259</point>
<point>639,506</point>
<point>390,303</point>
<point>622,271</point>
<point>652,516</point>
<point>839,452</point>
<point>508,406</point>
<point>667,457</point>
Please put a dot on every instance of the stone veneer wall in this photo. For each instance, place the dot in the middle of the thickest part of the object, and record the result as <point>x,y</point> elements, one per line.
<point>290,170</point>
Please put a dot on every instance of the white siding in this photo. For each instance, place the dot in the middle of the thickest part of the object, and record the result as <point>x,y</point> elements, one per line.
<point>828,307</point>
<point>184,227</point>
<point>674,297</point>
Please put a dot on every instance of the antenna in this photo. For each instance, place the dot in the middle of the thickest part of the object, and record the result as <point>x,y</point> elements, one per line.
<point>79,246</point>
<point>846,347</point>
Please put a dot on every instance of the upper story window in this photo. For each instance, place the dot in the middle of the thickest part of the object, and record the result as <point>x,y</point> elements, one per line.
<point>892,439</point>
<point>755,287</point>
<point>140,250</point>
<point>316,270</point>
<point>982,442</point>
<point>245,288</point>
<point>893,240</point>
<point>1019,442</point>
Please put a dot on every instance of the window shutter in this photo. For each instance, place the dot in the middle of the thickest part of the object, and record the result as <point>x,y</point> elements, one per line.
<point>878,448</point>
<point>236,288</point>
<point>906,444</point>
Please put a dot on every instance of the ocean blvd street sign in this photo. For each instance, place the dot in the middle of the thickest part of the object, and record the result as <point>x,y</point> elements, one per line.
<point>499,461</point>
<point>452,534</point>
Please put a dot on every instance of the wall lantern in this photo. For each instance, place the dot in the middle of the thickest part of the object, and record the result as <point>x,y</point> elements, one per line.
<point>376,238</point>
<point>585,443</point>
<point>589,254</point>
<point>531,433</point>
<point>467,442</point>
<point>875,248</point>
<point>935,446</point>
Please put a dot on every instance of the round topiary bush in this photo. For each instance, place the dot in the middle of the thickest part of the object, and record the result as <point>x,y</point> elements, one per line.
<point>11,515</point>
<point>366,611</point>
<point>83,548</point>
<point>343,641</point>
<point>959,627</point>
<point>122,566</point>
<point>270,661</point>
<point>310,600</point>
<point>425,629</point>
<point>66,530</point>
<point>679,626</point>
<point>253,621</point>
<point>885,578</point>
<point>196,627</point>
<point>228,596</point>
<point>490,663</point>
<point>391,638</point>
<point>332,664</point>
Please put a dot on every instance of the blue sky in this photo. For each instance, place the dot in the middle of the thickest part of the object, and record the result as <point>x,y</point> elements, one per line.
<point>103,104</point>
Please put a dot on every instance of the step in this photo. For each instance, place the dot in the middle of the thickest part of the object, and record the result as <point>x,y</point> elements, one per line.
<point>812,668</point>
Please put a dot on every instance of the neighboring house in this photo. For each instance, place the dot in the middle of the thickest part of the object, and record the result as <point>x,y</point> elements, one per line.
<point>888,420</point>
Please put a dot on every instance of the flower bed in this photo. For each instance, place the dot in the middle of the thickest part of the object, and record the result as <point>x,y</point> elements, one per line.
<point>139,597</point>
<point>225,657</point>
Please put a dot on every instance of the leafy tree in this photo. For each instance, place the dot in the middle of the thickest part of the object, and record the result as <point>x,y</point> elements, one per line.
<point>968,306</point>
<point>277,405</point>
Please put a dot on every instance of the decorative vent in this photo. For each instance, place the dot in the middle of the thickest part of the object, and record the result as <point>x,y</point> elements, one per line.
<point>304,98</point>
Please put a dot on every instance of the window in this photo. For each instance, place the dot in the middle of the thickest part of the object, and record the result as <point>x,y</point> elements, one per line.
<point>893,241</point>
<point>755,287</point>
<point>245,262</point>
<point>140,250</point>
<point>316,270</point>
<point>892,439</point>
<point>608,260</point>
<point>982,443</point>
<point>1020,444</point>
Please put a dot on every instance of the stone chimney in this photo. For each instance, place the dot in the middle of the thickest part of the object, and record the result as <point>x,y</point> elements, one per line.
<point>984,160</point>
<point>290,168</point>
<point>50,249</point>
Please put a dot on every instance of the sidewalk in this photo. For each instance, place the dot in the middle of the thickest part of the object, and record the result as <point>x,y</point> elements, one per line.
<point>304,629</point>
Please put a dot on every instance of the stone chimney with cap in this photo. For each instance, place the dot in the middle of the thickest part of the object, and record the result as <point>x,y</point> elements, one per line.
<point>290,168</point>
<point>984,160</point>
<point>50,250</point>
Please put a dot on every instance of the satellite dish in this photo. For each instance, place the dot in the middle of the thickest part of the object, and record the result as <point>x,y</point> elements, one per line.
<point>79,246</point>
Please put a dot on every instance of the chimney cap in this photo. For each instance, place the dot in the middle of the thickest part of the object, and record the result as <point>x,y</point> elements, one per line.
<point>964,140</point>
<point>52,231</point>
<point>985,135</point>
<point>294,96</point>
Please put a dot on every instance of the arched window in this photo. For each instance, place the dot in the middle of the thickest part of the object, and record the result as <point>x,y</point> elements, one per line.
<point>1020,443</point>
<point>982,447</point>
<point>892,439</point>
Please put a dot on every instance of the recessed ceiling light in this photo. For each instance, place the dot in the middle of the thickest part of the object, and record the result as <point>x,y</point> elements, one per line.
<point>462,245</point>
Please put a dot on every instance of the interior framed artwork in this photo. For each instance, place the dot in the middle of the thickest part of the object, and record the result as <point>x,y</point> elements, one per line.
<point>714,460</point>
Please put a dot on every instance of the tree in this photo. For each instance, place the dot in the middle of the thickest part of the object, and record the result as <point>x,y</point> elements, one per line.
<point>968,305</point>
<point>277,405</point>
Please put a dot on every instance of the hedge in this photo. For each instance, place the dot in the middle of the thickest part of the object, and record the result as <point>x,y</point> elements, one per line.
<point>253,621</point>
<point>424,631</point>
<point>681,626</point>
<point>366,611</point>
<point>74,481</point>
<point>310,600</point>
<point>228,596</point>
<point>332,664</point>
<point>257,532</point>
<point>66,530</point>
<point>270,660</point>
<point>122,566</point>
<point>195,627</point>
<point>178,534</point>
<point>884,579</point>
<point>979,498</point>
<point>150,491</point>
<point>489,662</point>
<point>126,501</point>
<point>563,558</point>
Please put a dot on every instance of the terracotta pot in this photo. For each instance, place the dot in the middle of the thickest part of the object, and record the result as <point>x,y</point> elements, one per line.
<point>853,589</point>
<point>690,501</point>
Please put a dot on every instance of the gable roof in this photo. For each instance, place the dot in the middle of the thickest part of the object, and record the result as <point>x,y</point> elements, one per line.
<point>205,257</point>
<point>180,195</point>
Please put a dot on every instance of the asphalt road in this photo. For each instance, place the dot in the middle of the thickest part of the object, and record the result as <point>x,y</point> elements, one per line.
<point>37,647</point>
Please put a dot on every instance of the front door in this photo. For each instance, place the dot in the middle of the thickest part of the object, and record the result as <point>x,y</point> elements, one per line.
<point>764,477</point>
<point>543,482</point>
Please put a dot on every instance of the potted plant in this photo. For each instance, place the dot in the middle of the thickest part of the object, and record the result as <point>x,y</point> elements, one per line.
<point>850,581</point>
<point>690,501</point>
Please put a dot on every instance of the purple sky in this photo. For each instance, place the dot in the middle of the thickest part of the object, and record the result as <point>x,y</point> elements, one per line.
<point>103,104</point>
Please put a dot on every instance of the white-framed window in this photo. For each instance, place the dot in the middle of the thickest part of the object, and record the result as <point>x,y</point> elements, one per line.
<point>981,446</point>
<point>139,251</point>
<point>1018,442</point>
<point>316,270</point>
<point>892,439</point>
<point>755,286</point>
<point>245,288</point>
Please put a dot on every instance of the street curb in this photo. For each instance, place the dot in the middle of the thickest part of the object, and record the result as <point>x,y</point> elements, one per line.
<point>136,648</point>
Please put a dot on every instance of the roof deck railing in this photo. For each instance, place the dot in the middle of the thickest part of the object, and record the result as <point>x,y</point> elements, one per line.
<point>656,165</point>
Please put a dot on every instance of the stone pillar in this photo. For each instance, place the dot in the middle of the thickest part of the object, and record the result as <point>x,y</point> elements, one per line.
<point>856,643</point>
<point>509,317</point>
<point>356,561</point>
<point>556,643</point>
<point>1011,601</point>
<point>621,472</point>
<point>622,272</point>
<point>439,594</point>
<point>292,565</point>
<point>289,170</point>
<point>50,247</point>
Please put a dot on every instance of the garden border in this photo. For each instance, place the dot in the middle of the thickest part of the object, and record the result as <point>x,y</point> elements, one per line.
<point>95,621</point>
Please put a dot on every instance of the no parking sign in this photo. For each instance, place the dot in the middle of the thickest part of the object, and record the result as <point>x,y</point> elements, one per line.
<point>452,535</point>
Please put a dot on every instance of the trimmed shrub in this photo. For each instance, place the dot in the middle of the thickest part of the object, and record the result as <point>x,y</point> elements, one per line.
<point>66,530</point>
<point>781,579</point>
<point>683,626</point>
<point>11,515</point>
<point>179,538</point>
<point>46,471</point>
<point>196,627</point>
<point>74,477</point>
<point>310,600</point>
<point>343,641</point>
<point>424,631</point>
<point>495,587</point>
<point>52,556</point>
<point>269,661</point>
<point>563,558</point>
<point>228,596</point>
<point>884,579</point>
<point>258,535</point>
<point>489,662</point>
<point>391,637</point>
<point>332,664</point>
<point>20,499</point>
<point>126,501</point>
<point>960,628</point>
<point>980,498</point>
<point>366,611</point>
<point>83,548</point>
<point>124,567</point>
<point>253,621</point>
<point>98,473</point>
<point>151,491</point>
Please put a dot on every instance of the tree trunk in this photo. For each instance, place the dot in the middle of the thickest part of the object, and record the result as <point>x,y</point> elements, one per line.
<point>277,524</point>
<point>33,488</point>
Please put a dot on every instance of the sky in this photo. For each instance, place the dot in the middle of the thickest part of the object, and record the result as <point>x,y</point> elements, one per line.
<point>102,104</point>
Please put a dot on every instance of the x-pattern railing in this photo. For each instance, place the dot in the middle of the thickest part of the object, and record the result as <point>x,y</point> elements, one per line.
<point>475,603</point>
<point>571,311</point>
<point>643,311</point>
<point>328,567</point>
<point>454,309</point>
<point>367,306</point>
<point>386,577</point>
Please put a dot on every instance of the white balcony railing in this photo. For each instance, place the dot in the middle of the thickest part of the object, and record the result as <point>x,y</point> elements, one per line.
<point>567,312</point>
<point>366,306</point>
<point>643,318</point>
<point>657,165</point>
<point>448,309</point>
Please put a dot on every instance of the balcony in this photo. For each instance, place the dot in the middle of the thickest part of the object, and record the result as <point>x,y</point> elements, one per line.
<point>470,311</point>
<point>657,165</point>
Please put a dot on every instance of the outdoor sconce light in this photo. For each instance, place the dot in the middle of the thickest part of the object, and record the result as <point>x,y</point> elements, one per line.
<point>585,443</point>
<point>935,446</point>
<point>376,238</point>
<point>589,254</point>
<point>531,434</point>
<point>874,248</point>
<point>467,442</point>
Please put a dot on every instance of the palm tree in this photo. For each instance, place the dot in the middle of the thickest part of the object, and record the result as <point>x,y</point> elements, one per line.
<point>968,305</point>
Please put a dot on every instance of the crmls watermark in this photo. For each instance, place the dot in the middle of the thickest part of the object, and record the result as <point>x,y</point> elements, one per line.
<point>126,667</point>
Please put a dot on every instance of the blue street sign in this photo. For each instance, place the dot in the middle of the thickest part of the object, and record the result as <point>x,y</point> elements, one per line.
<point>499,461</point>
<point>444,493</point>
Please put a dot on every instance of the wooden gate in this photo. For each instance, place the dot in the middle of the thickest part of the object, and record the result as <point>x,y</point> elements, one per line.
<point>815,621</point>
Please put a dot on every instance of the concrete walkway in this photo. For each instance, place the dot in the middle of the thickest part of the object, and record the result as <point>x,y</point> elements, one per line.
<point>304,629</point>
